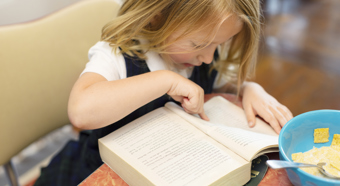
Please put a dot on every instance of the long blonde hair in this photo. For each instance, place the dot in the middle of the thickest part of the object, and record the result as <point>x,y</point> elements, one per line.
<point>133,24</point>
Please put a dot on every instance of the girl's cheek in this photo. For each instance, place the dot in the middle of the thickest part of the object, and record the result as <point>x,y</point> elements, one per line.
<point>181,58</point>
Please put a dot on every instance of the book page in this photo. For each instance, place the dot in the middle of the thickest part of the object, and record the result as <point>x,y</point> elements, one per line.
<point>228,125</point>
<point>170,151</point>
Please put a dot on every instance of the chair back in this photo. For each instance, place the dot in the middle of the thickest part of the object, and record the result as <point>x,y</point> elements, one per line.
<point>39,63</point>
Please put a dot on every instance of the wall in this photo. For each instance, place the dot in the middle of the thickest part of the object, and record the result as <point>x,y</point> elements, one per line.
<point>19,11</point>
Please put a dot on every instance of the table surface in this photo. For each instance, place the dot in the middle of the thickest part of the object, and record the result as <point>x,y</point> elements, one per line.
<point>104,175</point>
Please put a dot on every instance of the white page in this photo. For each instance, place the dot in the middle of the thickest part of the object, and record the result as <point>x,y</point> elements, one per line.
<point>171,152</point>
<point>229,126</point>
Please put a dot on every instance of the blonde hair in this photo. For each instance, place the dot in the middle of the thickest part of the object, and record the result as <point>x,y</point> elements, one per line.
<point>133,24</point>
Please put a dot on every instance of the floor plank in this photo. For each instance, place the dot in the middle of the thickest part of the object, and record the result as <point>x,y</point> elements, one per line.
<point>299,60</point>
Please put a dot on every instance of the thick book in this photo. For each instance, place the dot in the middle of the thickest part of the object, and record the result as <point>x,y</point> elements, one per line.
<point>171,147</point>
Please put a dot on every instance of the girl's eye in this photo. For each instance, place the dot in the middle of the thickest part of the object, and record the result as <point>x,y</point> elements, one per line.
<point>196,46</point>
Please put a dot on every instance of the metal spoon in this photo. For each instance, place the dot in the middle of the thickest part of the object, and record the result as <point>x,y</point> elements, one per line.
<point>280,164</point>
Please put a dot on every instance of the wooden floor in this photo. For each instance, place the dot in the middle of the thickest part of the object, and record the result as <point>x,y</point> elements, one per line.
<point>299,62</point>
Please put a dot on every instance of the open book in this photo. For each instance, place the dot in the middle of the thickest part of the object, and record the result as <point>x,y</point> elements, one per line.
<point>170,147</point>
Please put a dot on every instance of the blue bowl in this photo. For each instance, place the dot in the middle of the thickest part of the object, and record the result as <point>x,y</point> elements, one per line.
<point>297,136</point>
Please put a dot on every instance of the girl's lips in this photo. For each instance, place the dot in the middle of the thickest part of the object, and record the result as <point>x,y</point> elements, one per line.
<point>188,65</point>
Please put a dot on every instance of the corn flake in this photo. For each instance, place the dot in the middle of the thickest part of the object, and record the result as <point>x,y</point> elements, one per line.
<point>321,135</point>
<point>336,140</point>
<point>336,165</point>
<point>297,156</point>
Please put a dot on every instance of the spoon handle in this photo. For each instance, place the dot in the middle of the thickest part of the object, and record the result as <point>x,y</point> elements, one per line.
<point>279,164</point>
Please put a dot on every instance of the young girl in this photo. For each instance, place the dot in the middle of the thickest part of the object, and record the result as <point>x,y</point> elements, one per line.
<point>157,51</point>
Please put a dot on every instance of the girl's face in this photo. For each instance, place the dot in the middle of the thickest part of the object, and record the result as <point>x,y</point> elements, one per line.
<point>184,53</point>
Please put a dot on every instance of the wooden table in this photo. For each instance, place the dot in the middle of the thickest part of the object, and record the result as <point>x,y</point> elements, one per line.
<point>104,175</point>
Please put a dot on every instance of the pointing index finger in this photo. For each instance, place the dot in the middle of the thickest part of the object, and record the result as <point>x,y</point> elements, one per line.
<point>204,116</point>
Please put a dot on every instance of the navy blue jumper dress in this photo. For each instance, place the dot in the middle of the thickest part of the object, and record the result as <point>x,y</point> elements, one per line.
<point>78,159</point>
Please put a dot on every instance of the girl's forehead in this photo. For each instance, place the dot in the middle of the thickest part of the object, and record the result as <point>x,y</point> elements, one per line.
<point>229,28</point>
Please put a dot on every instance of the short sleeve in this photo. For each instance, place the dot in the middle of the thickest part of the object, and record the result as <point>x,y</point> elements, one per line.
<point>105,62</point>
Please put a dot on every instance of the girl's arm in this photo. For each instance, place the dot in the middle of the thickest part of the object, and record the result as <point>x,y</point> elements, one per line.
<point>95,102</point>
<point>256,101</point>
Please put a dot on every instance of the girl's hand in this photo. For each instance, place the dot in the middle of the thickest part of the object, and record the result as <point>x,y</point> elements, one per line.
<point>189,94</point>
<point>256,101</point>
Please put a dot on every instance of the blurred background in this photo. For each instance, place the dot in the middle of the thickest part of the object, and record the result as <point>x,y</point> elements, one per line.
<point>299,62</point>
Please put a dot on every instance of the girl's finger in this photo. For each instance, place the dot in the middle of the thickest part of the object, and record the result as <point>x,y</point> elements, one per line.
<point>284,112</point>
<point>196,108</point>
<point>204,116</point>
<point>279,116</point>
<point>287,113</point>
<point>250,115</point>
<point>269,117</point>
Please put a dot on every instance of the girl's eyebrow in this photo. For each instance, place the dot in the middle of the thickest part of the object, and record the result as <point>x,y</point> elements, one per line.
<point>205,43</point>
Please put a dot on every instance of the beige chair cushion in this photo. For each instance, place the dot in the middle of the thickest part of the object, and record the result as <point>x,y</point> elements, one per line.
<point>39,63</point>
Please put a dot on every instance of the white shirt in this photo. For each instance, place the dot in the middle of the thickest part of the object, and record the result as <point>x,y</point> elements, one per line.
<point>111,65</point>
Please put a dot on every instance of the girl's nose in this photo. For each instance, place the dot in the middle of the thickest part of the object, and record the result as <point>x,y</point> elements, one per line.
<point>206,55</point>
